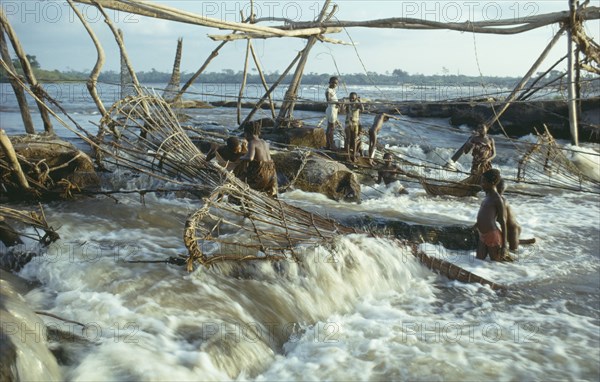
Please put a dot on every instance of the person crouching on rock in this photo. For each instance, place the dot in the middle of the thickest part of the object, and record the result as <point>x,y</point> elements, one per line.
<point>227,154</point>
<point>256,168</point>
<point>388,173</point>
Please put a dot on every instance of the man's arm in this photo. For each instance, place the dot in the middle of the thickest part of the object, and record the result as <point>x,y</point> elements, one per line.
<point>251,151</point>
<point>212,152</point>
<point>493,144</point>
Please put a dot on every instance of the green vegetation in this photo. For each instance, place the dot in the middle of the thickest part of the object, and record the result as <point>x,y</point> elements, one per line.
<point>397,77</point>
<point>44,75</point>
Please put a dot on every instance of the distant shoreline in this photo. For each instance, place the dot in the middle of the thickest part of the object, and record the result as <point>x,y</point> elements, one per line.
<point>228,76</point>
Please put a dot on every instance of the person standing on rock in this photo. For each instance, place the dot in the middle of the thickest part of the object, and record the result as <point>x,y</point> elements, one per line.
<point>353,109</point>
<point>374,130</point>
<point>331,112</point>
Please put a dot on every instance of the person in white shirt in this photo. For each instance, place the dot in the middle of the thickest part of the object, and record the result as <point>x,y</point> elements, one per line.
<point>331,112</point>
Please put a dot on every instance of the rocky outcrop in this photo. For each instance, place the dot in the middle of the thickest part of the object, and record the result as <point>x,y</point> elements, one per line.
<point>55,168</point>
<point>24,353</point>
<point>298,136</point>
<point>312,173</point>
<point>520,119</point>
<point>452,237</point>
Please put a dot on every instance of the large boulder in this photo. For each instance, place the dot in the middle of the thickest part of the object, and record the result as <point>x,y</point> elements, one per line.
<point>24,353</point>
<point>313,173</point>
<point>307,136</point>
<point>57,166</point>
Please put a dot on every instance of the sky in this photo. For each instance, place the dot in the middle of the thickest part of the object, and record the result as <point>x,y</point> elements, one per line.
<point>50,30</point>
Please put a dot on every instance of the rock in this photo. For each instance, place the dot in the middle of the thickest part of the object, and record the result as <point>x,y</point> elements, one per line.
<point>317,174</point>
<point>24,353</point>
<point>191,104</point>
<point>298,136</point>
<point>8,235</point>
<point>452,237</point>
<point>53,163</point>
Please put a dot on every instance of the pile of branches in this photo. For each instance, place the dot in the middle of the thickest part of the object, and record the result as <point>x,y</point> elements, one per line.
<point>34,219</point>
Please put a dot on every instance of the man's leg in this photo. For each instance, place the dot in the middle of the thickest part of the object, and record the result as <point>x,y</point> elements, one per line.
<point>482,250</point>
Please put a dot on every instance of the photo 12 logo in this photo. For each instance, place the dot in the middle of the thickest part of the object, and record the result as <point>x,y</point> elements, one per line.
<point>473,11</point>
<point>34,12</point>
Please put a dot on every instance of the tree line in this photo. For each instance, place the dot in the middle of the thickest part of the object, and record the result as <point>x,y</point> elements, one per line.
<point>397,77</point>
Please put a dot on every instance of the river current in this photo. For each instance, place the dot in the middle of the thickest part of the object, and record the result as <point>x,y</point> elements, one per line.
<point>364,311</point>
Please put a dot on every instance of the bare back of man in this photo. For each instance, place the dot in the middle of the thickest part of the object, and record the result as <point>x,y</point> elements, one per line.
<point>492,241</point>
<point>257,168</point>
<point>374,130</point>
<point>258,150</point>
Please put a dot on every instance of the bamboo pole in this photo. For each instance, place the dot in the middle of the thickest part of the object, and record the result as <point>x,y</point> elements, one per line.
<point>262,77</point>
<point>13,162</point>
<point>189,83</point>
<point>93,79</point>
<point>27,70</point>
<point>572,101</point>
<point>289,100</point>
<point>275,84</point>
<point>19,93</point>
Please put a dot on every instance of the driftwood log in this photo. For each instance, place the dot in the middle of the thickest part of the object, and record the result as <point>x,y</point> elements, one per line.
<point>312,173</point>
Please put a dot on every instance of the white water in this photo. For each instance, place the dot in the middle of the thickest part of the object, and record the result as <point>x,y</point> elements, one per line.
<point>365,310</point>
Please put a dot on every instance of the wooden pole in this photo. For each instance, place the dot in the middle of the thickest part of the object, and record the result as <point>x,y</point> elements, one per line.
<point>572,101</point>
<point>121,45</point>
<point>289,100</point>
<point>13,162</point>
<point>264,97</point>
<point>526,78</point>
<point>19,93</point>
<point>243,85</point>
<point>189,83</point>
<point>28,71</point>
<point>172,89</point>
<point>513,94</point>
<point>93,79</point>
<point>262,77</point>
